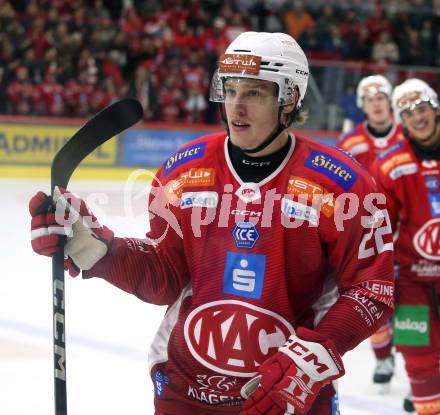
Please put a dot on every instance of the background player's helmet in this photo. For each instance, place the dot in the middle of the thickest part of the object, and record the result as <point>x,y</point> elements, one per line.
<point>372,85</point>
<point>411,93</point>
<point>274,57</point>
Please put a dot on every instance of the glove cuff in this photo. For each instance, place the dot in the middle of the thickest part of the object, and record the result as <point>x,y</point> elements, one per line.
<point>319,360</point>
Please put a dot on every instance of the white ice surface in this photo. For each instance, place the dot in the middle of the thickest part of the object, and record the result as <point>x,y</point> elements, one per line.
<point>108,331</point>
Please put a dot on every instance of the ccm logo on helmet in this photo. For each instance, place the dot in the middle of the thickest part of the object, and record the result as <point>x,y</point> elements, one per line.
<point>301,72</point>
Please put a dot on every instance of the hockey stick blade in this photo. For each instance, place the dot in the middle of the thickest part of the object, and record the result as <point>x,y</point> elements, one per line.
<point>109,122</point>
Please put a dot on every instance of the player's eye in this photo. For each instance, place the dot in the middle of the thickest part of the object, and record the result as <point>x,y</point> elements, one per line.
<point>230,92</point>
<point>253,93</point>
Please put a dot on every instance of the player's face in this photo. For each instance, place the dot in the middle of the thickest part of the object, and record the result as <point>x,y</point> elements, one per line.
<point>251,110</point>
<point>421,123</point>
<point>377,108</point>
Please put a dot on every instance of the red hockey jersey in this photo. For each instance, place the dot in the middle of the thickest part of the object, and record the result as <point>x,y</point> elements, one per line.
<point>412,186</point>
<point>243,264</point>
<point>365,147</point>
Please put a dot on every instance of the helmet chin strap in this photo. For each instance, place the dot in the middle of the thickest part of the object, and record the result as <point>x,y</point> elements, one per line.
<point>270,138</point>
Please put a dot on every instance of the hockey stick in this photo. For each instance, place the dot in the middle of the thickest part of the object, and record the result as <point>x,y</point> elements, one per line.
<point>107,123</point>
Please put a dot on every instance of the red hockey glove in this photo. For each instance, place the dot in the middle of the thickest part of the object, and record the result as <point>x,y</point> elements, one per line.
<point>290,380</point>
<point>87,240</point>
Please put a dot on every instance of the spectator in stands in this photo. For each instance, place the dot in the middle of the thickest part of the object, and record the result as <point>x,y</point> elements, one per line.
<point>156,32</point>
<point>413,50</point>
<point>143,88</point>
<point>195,105</point>
<point>358,46</point>
<point>351,26</point>
<point>310,41</point>
<point>49,96</point>
<point>106,94</point>
<point>385,49</point>
<point>235,26</point>
<point>297,19</point>
<point>20,92</point>
<point>37,38</point>
<point>335,48</point>
<point>171,100</point>
<point>325,21</point>
<point>378,23</point>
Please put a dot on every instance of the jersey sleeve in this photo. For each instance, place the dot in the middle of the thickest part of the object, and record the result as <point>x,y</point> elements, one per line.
<point>355,144</point>
<point>360,250</point>
<point>387,186</point>
<point>154,269</point>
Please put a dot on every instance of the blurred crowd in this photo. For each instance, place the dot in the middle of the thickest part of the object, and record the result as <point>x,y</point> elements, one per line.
<point>74,57</point>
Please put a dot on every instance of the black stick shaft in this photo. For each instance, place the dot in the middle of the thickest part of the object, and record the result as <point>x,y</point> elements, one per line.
<point>59,330</point>
<point>109,122</point>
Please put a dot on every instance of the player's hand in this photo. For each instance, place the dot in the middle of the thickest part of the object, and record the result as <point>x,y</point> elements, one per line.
<point>290,380</point>
<point>67,216</point>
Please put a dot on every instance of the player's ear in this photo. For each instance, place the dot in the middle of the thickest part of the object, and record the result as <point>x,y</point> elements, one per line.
<point>295,97</point>
<point>288,108</point>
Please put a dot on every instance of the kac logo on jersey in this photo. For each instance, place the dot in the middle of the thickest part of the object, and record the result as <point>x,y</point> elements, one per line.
<point>186,154</point>
<point>333,168</point>
<point>245,235</point>
<point>426,241</point>
<point>434,202</point>
<point>233,337</point>
<point>432,183</point>
<point>244,274</point>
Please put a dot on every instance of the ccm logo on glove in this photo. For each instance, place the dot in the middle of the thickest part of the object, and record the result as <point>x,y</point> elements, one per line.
<point>289,381</point>
<point>311,357</point>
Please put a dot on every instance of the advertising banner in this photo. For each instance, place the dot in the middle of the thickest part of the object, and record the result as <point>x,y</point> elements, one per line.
<point>27,144</point>
<point>151,147</point>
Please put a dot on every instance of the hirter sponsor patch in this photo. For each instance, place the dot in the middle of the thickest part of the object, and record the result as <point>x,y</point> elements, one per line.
<point>333,168</point>
<point>184,155</point>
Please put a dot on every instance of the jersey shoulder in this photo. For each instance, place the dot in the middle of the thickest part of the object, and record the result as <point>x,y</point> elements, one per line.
<point>354,141</point>
<point>333,167</point>
<point>192,154</point>
<point>396,161</point>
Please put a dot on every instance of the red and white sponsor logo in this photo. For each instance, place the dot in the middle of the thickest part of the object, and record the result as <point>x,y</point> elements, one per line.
<point>312,192</point>
<point>233,337</point>
<point>192,178</point>
<point>248,192</point>
<point>382,291</point>
<point>426,241</point>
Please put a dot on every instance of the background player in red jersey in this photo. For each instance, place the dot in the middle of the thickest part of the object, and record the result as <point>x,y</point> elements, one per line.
<point>365,142</point>
<point>269,280</point>
<point>410,177</point>
<point>372,136</point>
